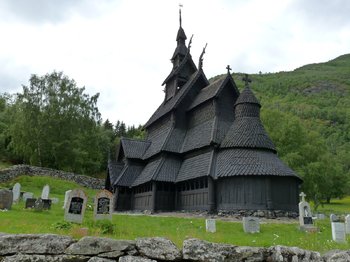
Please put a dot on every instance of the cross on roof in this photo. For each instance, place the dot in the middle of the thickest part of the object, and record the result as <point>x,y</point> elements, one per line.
<point>303,195</point>
<point>180,6</point>
<point>228,69</point>
<point>246,79</point>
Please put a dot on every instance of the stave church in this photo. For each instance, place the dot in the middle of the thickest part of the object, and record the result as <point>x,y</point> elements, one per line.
<point>206,149</point>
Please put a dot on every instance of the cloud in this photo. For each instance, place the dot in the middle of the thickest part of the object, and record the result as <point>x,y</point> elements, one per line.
<point>50,11</point>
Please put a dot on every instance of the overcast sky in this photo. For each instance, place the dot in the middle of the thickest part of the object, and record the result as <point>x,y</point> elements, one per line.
<point>122,49</point>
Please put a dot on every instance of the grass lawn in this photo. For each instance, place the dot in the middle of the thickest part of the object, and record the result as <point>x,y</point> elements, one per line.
<point>20,220</point>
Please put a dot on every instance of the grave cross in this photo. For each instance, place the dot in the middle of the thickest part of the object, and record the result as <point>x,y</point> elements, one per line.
<point>303,195</point>
<point>247,80</point>
<point>228,69</point>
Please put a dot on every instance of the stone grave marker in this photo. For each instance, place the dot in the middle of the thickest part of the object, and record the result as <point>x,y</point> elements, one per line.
<point>321,216</point>
<point>30,203</point>
<point>54,200</point>
<point>210,225</point>
<point>6,199</point>
<point>347,224</point>
<point>338,232</point>
<point>251,225</point>
<point>27,195</point>
<point>103,205</point>
<point>16,192</point>
<point>334,218</point>
<point>66,198</point>
<point>305,215</point>
<point>75,207</point>
<point>46,192</point>
<point>39,204</point>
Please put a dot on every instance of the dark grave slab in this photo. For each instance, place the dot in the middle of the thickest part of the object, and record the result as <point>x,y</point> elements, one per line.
<point>39,204</point>
<point>30,202</point>
<point>6,199</point>
<point>47,204</point>
<point>308,221</point>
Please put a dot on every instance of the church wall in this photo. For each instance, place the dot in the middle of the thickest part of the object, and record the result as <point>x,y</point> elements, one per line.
<point>254,192</point>
<point>285,193</point>
<point>123,199</point>
<point>193,195</point>
<point>142,197</point>
<point>241,192</point>
<point>165,196</point>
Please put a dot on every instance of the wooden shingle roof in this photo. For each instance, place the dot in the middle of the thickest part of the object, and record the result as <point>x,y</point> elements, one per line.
<point>246,162</point>
<point>134,148</point>
<point>114,170</point>
<point>194,167</point>
<point>128,175</point>
<point>247,131</point>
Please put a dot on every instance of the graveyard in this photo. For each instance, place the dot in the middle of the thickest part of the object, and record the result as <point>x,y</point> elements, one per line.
<point>174,226</point>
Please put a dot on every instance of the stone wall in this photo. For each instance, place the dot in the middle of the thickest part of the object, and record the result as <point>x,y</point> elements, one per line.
<point>56,248</point>
<point>18,170</point>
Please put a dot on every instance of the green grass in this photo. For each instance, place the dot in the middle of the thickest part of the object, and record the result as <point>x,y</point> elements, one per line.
<point>20,220</point>
<point>4,164</point>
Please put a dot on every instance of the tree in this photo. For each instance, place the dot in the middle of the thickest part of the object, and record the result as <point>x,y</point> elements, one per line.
<point>57,125</point>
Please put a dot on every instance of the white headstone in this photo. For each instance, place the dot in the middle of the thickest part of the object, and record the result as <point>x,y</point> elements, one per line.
<point>210,225</point>
<point>305,215</point>
<point>54,200</point>
<point>347,224</point>
<point>251,225</point>
<point>27,195</point>
<point>16,192</point>
<point>75,207</point>
<point>103,205</point>
<point>46,192</point>
<point>338,232</point>
<point>66,198</point>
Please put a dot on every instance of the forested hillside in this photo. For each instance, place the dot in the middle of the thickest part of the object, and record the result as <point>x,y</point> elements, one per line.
<point>307,114</point>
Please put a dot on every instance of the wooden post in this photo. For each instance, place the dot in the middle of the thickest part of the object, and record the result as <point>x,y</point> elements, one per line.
<point>211,194</point>
<point>154,196</point>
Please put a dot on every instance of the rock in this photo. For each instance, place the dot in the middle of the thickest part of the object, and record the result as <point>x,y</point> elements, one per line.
<point>99,245</point>
<point>337,256</point>
<point>99,259</point>
<point>45,258</point>
<point>200,250</point>
<point>135,259</point>
<point>294,254</point>
<point>34,244</point>
<point>158,248</point>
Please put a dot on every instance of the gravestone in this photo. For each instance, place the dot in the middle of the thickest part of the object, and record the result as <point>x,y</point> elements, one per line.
<point>321,216</point>
<point>338,232</point>
<point>75,207</point>
<point>16,192</point>
<point>210,225</point>
<point>46,204</point>
<point>305,215</point>
<point>54,200</point>
<point>334,218</point>
<point>46,192</point>
<point>251,225</point>
<point>6,199</point>
<point>66,198</point>
<point>30,203</point>
<point>103,205</point>
<point>347,224</point>
<point>39,204</point>
<point>27,195</point>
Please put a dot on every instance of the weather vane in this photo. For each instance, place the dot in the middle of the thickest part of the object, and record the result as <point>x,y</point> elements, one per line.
<point>180,6</point>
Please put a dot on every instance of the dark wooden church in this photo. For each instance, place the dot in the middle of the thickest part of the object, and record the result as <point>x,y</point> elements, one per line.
<point>206,149</point>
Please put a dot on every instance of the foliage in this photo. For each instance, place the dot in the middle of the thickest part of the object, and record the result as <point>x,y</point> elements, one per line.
<point>55,124</point>
<point>62,225</point>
